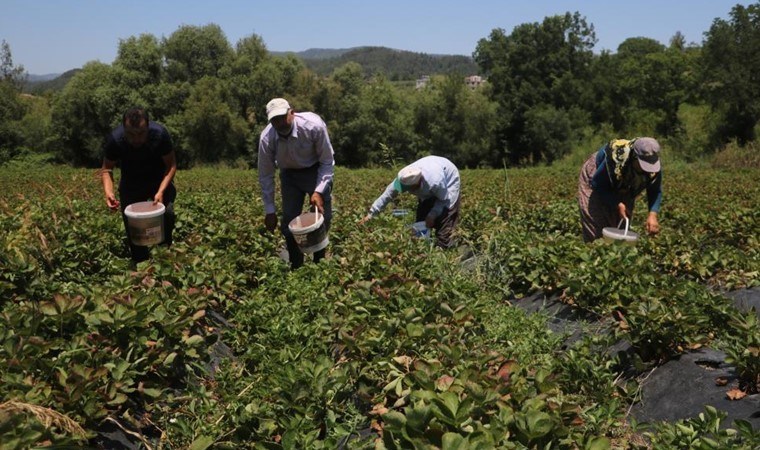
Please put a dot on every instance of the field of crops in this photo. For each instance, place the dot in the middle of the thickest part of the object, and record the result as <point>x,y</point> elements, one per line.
<point>388,343</point>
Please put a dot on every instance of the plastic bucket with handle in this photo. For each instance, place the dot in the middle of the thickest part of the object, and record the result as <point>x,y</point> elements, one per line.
<point>145,223</point>
<point>617,234</point>
<point>309,231</point>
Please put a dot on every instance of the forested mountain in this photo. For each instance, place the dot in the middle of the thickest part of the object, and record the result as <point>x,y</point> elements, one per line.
<point>35,86</point>
<point>394,64</point>
<point>316,53</point>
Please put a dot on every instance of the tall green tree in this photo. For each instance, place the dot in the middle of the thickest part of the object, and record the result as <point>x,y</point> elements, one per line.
<point>86,110</point>
<point>454,121</point>
<point>538,65</point>
<point>731,71</point>
<point>337,100</point>
<point>193,52</point>
<point>9,72</point>
<point>244,75</point>
<point>647,82</point>
<point>141,60</point>
<point>11,107</point>
<point>380,123</point>
<point>209,129</point>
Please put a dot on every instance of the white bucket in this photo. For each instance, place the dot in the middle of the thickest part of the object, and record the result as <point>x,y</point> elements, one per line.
<point>145,222</point>
<point>421,230</point>
<point>309,231</point>
<point>617,234</point>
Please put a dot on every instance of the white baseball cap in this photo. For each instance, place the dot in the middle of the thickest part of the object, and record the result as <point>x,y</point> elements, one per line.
<point>277,107</point>
<point>408,177</point>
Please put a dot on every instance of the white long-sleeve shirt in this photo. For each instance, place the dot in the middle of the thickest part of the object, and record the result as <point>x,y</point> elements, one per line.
<point>440,179</point>
<point>307,144</point>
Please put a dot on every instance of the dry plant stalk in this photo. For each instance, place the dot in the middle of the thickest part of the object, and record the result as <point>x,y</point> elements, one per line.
<point>46,416</point>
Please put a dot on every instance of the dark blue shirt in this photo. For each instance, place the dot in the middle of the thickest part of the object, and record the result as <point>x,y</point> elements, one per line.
<point>142,168</point>
<point>602,183</point>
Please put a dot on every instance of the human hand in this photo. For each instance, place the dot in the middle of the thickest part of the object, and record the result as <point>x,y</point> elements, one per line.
<point>158,198</point>
<point>112,202</point>
<point>652,225</point>
<point>430,221</point>
<point>365,219</point>
<point>622,210</point>
<point>317,200</point>
<point>270,221</point>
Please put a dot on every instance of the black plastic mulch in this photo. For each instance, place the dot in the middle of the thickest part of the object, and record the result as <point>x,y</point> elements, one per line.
<point>678,389</point>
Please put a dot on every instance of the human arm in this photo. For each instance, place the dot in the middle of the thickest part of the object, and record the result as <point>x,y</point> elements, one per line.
<point>170,162</point>
<point>379,204</point>
<point>325,172</point>
<point>654,198</point>
<point>266,169</point>
<point>106,176</point>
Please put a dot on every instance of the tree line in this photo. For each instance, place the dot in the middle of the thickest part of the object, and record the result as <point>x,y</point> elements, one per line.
<point>547,93</point>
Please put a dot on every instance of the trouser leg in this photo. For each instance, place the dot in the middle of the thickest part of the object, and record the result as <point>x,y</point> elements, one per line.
<point>169,220</point>
<point>445,223</point>
<point>297,185</point>
<point>292,204</point>
<point>138,252</point>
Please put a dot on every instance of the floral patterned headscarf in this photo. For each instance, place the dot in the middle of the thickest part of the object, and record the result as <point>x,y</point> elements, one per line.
<point>618,153</point>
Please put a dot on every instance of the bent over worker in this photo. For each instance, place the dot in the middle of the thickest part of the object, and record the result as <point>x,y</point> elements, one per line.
<point>434,180</point>
<point>612,178</point>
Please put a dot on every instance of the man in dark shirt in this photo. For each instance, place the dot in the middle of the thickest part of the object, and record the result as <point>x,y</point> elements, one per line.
<point>148,165</point>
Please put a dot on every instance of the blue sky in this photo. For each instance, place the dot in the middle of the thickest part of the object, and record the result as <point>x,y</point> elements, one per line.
<point>52,36</point>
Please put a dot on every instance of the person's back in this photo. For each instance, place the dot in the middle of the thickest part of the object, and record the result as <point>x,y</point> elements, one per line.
<point>442,176</point>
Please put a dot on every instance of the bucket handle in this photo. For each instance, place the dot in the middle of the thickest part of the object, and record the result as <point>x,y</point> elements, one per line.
<point>316,213</point>
<point>625,233</point>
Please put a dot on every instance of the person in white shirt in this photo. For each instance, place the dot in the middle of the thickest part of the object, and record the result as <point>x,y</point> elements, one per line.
<point>435,182</point>
<point>297,143</point>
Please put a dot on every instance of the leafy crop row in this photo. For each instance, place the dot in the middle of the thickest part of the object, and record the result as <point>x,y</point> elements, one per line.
<point>388,343</point>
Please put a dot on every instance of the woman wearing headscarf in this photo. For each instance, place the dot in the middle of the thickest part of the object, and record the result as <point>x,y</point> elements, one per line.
<point>612,178</point>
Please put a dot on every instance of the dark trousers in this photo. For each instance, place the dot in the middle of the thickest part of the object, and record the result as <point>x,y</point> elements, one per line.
<point>298,184</point>
<point>445,224</point>
<point>140,252</point>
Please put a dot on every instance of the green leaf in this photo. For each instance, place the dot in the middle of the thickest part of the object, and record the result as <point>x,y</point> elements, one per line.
<point>169,359</point>
<point>194,340</point>
<point>395,419</point>
<point>152,392</point>
<point>48,308</point>
<point>453,441</point>
<point>598,443</point>
<point>201,443</point>
<point>417,418</point>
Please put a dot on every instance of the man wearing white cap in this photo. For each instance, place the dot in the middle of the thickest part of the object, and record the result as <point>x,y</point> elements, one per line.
<point>435,182</point>
<point>297,143</point>
<point>612,178</point>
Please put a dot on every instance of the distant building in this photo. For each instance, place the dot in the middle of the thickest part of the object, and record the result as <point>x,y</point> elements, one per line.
<point>473,81</point>
<point>422,82</point>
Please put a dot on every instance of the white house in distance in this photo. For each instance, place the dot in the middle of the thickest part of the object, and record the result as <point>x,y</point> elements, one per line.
<point>422,82</point>
<point>472,82</point>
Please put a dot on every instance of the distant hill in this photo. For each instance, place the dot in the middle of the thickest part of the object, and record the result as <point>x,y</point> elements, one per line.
<point>55,84</point>
<point>316,53</point>
<point>394,64</point>
<point>31,78</point>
